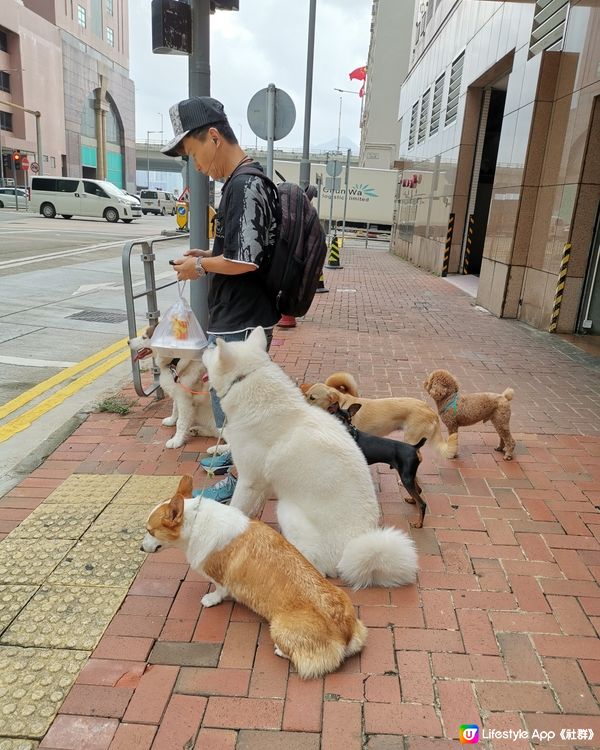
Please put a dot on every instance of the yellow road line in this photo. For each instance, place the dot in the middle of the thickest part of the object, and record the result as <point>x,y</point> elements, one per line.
<point>24,420</point>
<point>46,385</point>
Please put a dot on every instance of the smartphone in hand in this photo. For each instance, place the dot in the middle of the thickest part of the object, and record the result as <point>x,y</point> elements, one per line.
<point>172,262</point>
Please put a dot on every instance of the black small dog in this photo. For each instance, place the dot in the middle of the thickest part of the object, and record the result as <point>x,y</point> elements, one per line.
<point>403,457</point>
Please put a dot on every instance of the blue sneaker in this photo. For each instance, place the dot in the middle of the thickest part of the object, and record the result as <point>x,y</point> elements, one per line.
<point>221,492</point>
<point>217,464</point>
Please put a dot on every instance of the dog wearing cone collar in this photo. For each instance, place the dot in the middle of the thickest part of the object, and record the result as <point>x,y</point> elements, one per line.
<point>186,383</point>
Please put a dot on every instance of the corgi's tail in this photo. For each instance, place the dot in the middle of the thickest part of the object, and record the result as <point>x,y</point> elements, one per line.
<point>508,394</point>
<point>382,557</point>
<point>447,449</point>
<point>343,382</point>
<point>304,639</point>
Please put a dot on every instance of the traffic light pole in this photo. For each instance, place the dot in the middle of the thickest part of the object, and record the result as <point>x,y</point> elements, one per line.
<point>38,130</point>
<point>14,170</point>
<point>199,85</point>
<point>305,163</point>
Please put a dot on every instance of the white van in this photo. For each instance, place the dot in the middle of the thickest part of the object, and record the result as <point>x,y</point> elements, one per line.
<point>73,196</point>
<point>157,202</point>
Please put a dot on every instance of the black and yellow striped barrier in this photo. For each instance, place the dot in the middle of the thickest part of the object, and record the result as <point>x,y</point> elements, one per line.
<point>333,261</point>
<point>469,244</point>
<point>449,234</point>
<point>560,288</point>
<point>321,285</point>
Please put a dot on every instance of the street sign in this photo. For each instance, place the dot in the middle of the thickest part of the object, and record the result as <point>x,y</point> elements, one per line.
<point>34,167</point>
<point>25,163</point>
<point>285,114</point>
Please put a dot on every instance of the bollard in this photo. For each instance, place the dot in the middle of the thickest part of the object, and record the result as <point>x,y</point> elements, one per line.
<point>321,285</point>
<point>333,261</point>
<point>446,260</point>
<point>467,257</point>
<point>560,287</point>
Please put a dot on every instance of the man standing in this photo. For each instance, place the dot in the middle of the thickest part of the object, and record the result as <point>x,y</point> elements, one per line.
<point>246,230</point>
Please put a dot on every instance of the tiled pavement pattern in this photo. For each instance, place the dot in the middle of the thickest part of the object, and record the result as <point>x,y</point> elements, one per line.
<point>501,629</point>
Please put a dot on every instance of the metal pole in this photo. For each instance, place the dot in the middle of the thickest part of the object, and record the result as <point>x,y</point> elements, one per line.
<point>199,85</point>
<point>346,194</point>
<point>270,127</point>
<point>1,161</point>
<point>333,179</point>
<point>148,159</point>
<point>367,236</point>
<point>305,163</point>
<point>15,183</point>
<point>38,134</point>
<point>339,125</point>
<point>319,181</point>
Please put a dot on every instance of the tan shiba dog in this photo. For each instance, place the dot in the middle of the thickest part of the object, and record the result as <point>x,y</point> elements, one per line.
<point>312,622</point>
<point>380,416</point>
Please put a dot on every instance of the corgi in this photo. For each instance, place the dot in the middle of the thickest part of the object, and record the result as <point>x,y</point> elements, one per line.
<point>312,622</point>
<point>304,457</point>
<point>192,410</point>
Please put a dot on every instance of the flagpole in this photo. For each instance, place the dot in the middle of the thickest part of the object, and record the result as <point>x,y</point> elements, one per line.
<point>305,163</point>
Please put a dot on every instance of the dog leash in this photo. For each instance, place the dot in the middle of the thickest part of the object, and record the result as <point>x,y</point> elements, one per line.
<point>176,379</point>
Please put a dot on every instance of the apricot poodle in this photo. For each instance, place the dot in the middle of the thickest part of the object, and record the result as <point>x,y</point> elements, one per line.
<point>457,410</point>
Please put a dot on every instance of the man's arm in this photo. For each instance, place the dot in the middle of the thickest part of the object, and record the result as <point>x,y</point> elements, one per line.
<point>186,268</point>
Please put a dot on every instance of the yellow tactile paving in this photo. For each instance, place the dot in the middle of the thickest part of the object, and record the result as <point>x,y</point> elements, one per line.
<point>63,575</point>
<point>6,744</point>
<point>148,491</point>
<point>65,617</point>
<point>33,684</point>
<point>57,522</point>
<point>12,600</point>
<point>30,561</point>
<point>88,489</point>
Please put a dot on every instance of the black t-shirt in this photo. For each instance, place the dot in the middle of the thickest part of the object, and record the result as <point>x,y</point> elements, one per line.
<point>246,228</point>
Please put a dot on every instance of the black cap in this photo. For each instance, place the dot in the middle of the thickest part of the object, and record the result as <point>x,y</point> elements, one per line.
<point>191,114</point>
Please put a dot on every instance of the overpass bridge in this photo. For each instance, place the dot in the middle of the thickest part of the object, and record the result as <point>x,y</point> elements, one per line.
<point>148,157</point>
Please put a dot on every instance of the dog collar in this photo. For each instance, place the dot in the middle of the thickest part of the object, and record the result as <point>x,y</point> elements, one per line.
<point>233,382</point>
<point>453,402</point>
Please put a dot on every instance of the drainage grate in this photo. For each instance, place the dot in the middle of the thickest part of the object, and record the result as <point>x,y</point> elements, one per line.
<point>100,316</point>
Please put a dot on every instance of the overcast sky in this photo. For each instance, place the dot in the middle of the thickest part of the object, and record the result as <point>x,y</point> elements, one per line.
<point>264,42</point>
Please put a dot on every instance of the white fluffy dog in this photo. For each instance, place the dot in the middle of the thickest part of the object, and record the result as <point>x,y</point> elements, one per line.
<point>192,411</point>
<point>304,457</point>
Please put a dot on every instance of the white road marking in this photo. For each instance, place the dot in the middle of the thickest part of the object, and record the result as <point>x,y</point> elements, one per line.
<point>26,362</point>
<point>86,288</point>
<point>62,253</point>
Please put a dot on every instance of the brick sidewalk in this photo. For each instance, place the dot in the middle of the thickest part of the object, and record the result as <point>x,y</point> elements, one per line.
<point>501,629</point>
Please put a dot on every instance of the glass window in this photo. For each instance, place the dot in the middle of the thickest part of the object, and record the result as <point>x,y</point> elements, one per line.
<point>41,183</point>
<point>109,7</point>
<point>66,186</point>
<point>413,125</point>
<point>454,89</point>
<point>81,16</point>
<point>112,127</point>
<point>4,81</point>
<point>110,37</point>
<point>436,107</point>
<point>88,117</point>
<point>92,189</point>
<point>148,194</point>
<point>3,41</point>
<point>6,121</point>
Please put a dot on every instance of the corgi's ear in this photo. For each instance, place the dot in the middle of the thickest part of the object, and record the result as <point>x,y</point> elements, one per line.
<point>258,338</point>
<point>353,408</point>
<point>174,512</point>
<point>185,486</point>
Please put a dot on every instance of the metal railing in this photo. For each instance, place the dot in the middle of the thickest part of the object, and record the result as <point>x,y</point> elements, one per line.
<point>147,257</point>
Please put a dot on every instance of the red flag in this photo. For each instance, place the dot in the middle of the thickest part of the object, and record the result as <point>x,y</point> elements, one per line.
<point>361,93</point>
<point>359,74</point>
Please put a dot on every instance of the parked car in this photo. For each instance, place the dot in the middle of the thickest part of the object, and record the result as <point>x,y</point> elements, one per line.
<point>8,200</point>
<point>157,202</point>
<point>135,198</point>
<point>73,196</point>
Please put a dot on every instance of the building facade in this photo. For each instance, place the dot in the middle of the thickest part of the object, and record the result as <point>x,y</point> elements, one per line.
<point>387,65</point>
<point>69,60</point>
<point>500,150</point>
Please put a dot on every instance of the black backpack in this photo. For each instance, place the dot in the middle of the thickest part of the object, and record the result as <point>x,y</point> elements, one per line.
<point>292,271</point>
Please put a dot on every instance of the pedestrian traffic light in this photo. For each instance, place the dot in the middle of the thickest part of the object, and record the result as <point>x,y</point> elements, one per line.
<point>7,163</point>
<point>17,159</point>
